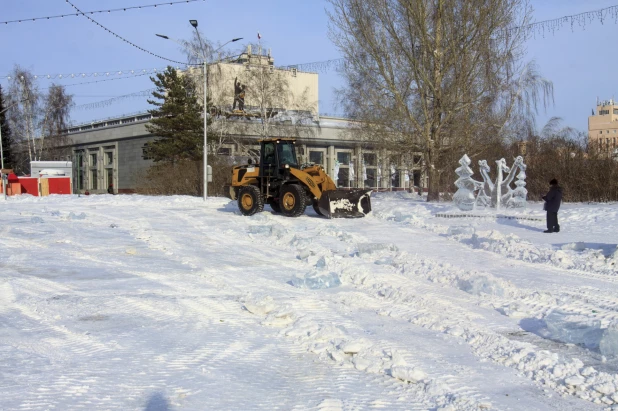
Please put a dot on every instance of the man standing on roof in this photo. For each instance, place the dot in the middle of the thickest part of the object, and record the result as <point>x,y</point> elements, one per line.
<point>237,91</point>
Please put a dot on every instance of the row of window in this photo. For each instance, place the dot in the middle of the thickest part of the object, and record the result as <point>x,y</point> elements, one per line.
<point>606,131</point>
<point>95,168</point>
<point>605,112</point>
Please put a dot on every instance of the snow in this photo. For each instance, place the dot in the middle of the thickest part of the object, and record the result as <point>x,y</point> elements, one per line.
<point>130,302</point>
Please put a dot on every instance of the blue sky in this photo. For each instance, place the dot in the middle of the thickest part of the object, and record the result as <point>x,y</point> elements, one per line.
<point>580,62</point>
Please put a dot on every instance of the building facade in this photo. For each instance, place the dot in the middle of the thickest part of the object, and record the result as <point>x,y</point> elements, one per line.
<point>113,152</point>
<point>603,127</point>
<point>279,102</point>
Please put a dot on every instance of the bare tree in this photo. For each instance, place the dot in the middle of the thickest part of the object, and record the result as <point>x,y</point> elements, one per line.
<point>54,142</point>
<point>433,76</point>
<point>24,99</point>
<point>38,120</point>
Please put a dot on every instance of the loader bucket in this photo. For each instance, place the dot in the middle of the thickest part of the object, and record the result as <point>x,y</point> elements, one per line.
<point>345,203</point>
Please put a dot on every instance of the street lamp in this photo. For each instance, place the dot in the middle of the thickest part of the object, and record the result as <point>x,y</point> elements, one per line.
<point>205,64</point>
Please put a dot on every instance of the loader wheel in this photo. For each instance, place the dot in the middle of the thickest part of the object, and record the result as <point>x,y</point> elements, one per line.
<point>250,200</point>
<point>292,200</point>
<point>316,208</point>
<point>275,206</point>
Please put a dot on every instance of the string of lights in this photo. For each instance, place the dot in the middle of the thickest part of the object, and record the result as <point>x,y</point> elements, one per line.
<point>120,37</point>
<point>109,102</point>
<point>551,26</point>
<point>61,76</point>
<point>317,66</point>
<point>101,81</point>
<point>98,11</point>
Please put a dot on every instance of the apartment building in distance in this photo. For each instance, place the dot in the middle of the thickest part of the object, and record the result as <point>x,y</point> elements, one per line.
<point>603,127</point>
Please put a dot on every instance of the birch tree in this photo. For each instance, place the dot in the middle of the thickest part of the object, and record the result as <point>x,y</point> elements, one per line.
<point>430,76</point>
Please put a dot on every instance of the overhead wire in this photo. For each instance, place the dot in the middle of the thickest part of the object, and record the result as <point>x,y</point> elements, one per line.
<point>122,38</point>
<point>98,11</point>
<point>108,102</point>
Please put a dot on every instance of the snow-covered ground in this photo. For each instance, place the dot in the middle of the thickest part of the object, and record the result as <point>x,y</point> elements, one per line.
<point>169,303</point>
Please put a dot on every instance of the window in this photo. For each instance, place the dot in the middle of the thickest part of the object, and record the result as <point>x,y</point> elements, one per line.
<point>369,172</point>
<point>316,157</point>
<point>600,131</point>
<point>343,178</point>
<point>616,111</point>
<point>287,154</point>
<point>110,176</point>
<point>346,177</point>
<point>146,153</point>
<point>93,159</point>
<point>269,153</point>
<point>370,159</point>
<point>80,160</point>
<point>344,158</point>
<point>224,151</point>
<point>93,179</point>
<point>109,157</point>
<point>371,180</point>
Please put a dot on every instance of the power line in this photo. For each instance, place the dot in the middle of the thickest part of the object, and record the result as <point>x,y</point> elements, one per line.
<point>109,102</point>
<point>122,38</point>
<point>98,11</point>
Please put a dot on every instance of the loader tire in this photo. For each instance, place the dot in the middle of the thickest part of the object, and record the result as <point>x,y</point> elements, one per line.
<point>292,200</point>
<point>316,208</point>
<point>275,206</point>
<point>250,200</point>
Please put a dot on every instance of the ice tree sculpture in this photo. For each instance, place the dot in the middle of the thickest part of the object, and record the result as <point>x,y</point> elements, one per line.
<point>464,196</point>
<point>520,194</point>
<point>498,194</point>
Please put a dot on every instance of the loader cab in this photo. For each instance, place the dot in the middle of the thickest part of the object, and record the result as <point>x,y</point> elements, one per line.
<point>276,154</point>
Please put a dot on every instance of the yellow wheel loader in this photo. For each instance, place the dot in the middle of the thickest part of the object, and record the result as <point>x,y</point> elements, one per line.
<point>278,180</point>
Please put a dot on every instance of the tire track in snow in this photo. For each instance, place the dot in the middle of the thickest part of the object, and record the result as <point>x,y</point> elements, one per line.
<point>495,340</point>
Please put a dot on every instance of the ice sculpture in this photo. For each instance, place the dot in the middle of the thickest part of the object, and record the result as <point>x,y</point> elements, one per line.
<point>520,193</point>
<point>464,196</point>
<point>498,194</point>
<point>483,198</point>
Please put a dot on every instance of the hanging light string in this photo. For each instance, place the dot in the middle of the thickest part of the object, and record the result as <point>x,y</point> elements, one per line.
<point>98,11</point>
<point>95,74</point>
<point>122,38</point>
<point>317,66</point>
<point>109,102</point>
<point>101,81</point>
<point>553,25</point>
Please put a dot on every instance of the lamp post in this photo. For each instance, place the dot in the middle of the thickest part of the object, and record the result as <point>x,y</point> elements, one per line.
<point>205,64</point>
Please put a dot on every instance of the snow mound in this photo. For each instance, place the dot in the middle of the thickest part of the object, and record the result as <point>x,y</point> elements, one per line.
<point>481,285</point>
<point>373,248</point>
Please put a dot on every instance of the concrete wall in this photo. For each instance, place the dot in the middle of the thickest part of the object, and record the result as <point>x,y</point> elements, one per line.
<point>300,89</point>
<point>131,163</point>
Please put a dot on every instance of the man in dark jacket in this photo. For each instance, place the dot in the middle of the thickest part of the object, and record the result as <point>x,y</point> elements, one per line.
<point>553,198</point>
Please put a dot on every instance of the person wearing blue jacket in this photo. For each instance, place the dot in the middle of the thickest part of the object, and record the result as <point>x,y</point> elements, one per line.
<point>553,198</point>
